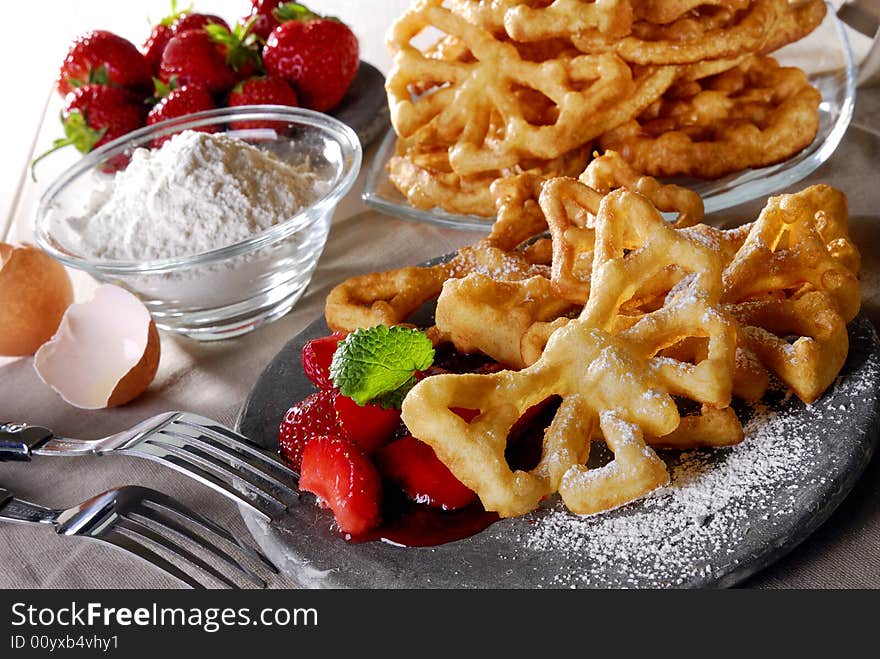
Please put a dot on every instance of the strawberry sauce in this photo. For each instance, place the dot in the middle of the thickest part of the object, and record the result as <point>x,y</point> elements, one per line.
<point>409,523</point>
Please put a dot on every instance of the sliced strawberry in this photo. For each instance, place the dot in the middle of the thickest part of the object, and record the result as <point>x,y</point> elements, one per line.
<point>345,480</point>
<point>368,426</point>
<point>308,419</point>
<point>316,357</point>
<point>418,471</point>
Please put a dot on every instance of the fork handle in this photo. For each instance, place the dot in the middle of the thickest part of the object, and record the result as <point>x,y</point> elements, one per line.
<point>17,440</point>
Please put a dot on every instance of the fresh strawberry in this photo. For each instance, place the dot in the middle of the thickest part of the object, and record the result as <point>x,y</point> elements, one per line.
<point>194,58</point>
<point>179,102</point>
<point>197,22</point>
<point>308,419</point>
<point>240,47</point>
<point>317,355</point>
<point>261,90</point>
<point>345,480</point>
<point>368,426</point>
<point>155,44</point>
<point>318,56</point>
<point>159,37</point>
<point>414,466</point>
<point>102,57</point>
<point>172,25</point>
<point>95,115</point>
<point>264,20</point>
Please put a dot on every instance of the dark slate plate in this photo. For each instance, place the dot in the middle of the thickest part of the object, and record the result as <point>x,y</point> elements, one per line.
<point>727,514</point>
<point>365,106</point>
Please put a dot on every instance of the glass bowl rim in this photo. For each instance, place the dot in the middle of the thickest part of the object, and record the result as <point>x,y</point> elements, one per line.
<point>343,135</point>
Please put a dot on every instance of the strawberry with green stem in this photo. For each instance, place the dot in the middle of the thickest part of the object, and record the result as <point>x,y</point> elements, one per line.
<point>101,57</point>
<point>95,115</point>
<point>261,90</point>
<point>212,57</point>
<point>263,18</point>
<point>176,102</point>
<point>160,35</point>
<point>318,55</point>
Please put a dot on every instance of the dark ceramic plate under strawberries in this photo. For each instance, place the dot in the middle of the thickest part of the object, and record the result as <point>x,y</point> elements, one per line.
<point>727,514</point>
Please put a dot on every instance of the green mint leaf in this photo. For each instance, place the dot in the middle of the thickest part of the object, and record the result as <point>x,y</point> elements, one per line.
<point>379,364</point>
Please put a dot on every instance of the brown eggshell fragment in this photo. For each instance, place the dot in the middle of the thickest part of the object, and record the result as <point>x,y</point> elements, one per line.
<point>35,291</point>
<point>105,352</point>
<point>143,373</point>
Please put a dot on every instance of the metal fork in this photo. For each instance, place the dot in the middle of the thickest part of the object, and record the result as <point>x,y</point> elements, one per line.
<point>135,518</point>
<point>193,445</point>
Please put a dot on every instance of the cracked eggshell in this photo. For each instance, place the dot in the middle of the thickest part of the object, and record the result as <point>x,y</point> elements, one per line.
<point>105,352</point>
<point>35,290</point>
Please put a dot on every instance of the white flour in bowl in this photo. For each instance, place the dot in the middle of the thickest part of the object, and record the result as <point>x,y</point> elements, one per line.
<point>198,192</point>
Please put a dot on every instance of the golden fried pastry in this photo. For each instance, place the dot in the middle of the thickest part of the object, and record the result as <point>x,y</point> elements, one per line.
<point>537,20</point>
<point>480,106</point>
<point>486,89</point>
<point>709,32</point>
<point>753,115</point>
<point>793,285</point>
<point>618,381</point>
<point>570,218</point>
<point>427,180</point>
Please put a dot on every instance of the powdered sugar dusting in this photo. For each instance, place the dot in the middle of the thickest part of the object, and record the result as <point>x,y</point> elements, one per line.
<point>718,502</point>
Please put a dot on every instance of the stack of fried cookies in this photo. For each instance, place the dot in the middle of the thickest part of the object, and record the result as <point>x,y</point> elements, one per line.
<point>641,329</point>
<point>484,89</point>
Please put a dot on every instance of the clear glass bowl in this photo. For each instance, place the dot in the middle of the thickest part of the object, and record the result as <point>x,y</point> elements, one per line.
<point>228,291</point>
<point>824,55</point>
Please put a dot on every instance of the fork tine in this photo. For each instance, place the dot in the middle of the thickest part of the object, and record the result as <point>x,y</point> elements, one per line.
<point>214,473</point>
<point>241,463</point>
<point>166,504</point>
<point>132,546</point>
<point>237,442</point>
<point>167,523</point>
<point>233,447</point>
<point>141,530</point>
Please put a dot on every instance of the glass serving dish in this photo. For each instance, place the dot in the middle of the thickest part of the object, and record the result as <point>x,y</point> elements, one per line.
<point>825,56</point>
<point>231,290</point>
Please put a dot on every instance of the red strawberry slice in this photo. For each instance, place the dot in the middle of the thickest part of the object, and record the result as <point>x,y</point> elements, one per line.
<point>414,466</point>
<point>369,426</point>
<point>316,357</point>
<point>345,480</point>
<point>308,419</point>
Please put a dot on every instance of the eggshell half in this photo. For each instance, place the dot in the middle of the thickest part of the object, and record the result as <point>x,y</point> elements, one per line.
<point>105,353</point>
<point>35,290</point>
